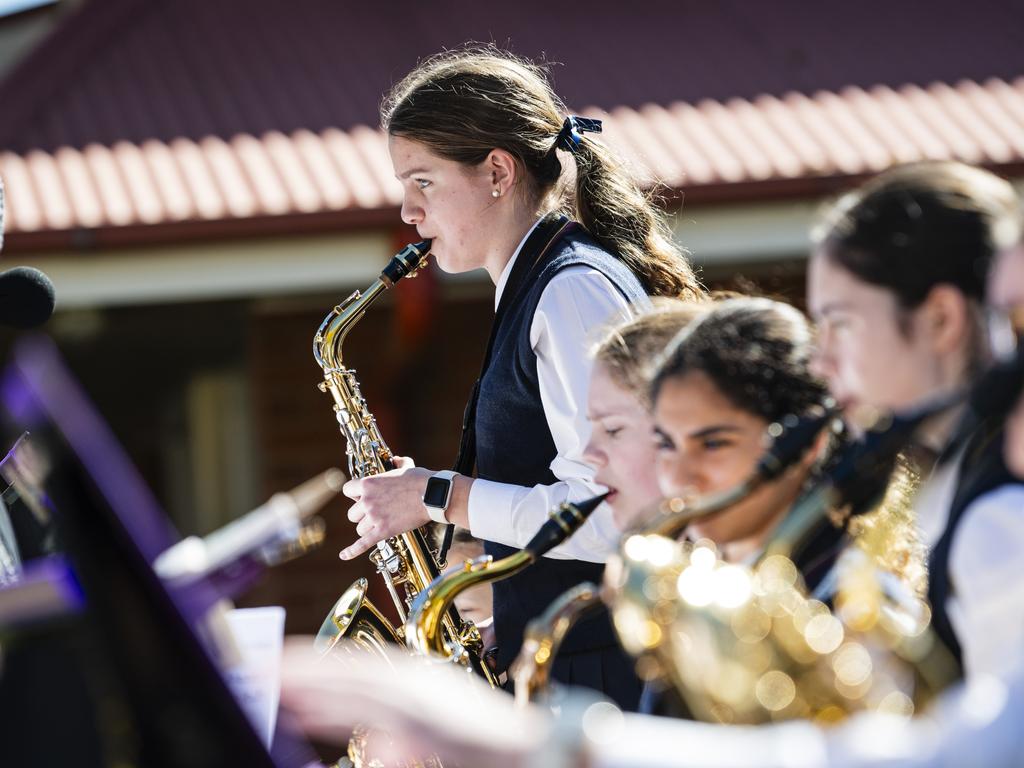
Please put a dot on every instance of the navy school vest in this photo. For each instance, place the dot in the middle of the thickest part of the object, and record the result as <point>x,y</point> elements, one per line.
<point>982,470</point>
<point>513,443</point>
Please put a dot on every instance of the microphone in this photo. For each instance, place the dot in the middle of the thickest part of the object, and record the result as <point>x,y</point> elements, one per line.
<point>26,298</point>
<point>265,531</point>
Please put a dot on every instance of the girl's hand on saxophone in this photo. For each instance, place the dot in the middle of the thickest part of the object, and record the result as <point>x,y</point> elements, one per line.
<point>391,503</point>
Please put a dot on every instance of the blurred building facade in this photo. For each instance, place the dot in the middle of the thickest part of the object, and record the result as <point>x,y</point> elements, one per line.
<point>204,180</point>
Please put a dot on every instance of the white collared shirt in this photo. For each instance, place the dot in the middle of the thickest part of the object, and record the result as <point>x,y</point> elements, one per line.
<point>573,309</point>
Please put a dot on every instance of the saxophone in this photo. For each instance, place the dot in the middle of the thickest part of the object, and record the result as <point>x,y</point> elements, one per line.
<point>423,633</point>
<point>410,560</point>
<point>749,645</point>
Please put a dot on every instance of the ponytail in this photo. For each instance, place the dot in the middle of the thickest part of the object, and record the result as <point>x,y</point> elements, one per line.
<point>625,220</point>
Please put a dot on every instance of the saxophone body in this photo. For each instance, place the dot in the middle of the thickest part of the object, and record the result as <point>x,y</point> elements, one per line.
<point>408,562</point>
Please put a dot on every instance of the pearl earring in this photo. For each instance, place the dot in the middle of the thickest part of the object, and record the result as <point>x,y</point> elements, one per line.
<point>495,193</point>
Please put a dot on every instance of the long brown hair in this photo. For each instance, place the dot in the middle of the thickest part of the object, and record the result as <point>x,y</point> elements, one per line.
<point>463,104</point>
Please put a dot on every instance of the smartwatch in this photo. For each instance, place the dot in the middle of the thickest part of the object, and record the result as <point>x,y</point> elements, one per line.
<point>438,494</point>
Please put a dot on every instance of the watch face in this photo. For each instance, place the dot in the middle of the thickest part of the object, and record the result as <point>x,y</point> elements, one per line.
<point>436,494</point>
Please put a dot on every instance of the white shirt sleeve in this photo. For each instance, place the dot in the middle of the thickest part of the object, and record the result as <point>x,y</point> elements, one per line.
<point>572,310</point>
<point>986,568</point>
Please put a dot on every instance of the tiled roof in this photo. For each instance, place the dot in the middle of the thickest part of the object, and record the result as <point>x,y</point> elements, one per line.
<point>765,146</point>
<point>134,70</point>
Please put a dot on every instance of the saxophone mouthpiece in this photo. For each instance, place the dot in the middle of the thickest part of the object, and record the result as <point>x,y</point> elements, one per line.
<point>565,520</point>
<point>405,262</point>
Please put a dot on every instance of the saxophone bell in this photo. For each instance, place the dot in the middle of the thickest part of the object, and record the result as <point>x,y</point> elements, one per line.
<point>357,619</point>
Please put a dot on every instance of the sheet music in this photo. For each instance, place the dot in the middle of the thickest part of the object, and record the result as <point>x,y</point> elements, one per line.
<point>256,677</point>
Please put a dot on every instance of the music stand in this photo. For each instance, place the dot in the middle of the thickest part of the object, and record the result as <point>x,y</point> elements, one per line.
<point>159,699</point>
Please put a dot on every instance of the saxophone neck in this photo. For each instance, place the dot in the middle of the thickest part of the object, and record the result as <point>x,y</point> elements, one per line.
<point>423,627</point>
<point>331,335</point>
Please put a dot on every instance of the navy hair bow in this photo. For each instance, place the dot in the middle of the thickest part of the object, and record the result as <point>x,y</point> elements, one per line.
<point>573,128</point>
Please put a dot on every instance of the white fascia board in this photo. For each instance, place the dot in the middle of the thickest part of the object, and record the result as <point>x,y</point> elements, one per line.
<point>282,266</point>
<point>198,272</point>
<point>720,235</point>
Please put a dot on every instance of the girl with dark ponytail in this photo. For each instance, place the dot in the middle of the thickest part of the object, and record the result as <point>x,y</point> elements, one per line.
<point>499,177</point>
<point>897,283</point>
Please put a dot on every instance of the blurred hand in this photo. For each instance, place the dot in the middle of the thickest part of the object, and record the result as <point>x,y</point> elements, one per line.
<point>386,505</point>
<point>401,695</point>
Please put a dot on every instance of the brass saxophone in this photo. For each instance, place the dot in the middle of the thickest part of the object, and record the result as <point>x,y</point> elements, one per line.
<point>423,633</point>
<point>750,645</point>
<point>409,560</point>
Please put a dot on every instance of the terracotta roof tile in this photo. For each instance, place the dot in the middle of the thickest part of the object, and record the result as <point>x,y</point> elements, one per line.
<point>695,125</point>
<point>928,142</point>
<point>86,205</point>
<point>372,147</point>
<point>51,191</point>
<point>680,145</point>
<point>113,196</point>
<point>298,183</point>
<point>199,181</point>
<point>857,132</point>
<point>737,159</point>
<point>169,182</point>
<point>793,133</point>
<point>684,163</point>
<point>754,123</point>
<point>311,149</point>
<point>932,111</point>
<point>135,70</point>
<point>972,121</point>
<point>996,111</point>
<point>351,169</point>
<point>826,132</point>
<point>882,124</point>
<point>259,168</point>
<point>25,214</point>
<point>226,169</point>
<point>139,183</point>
